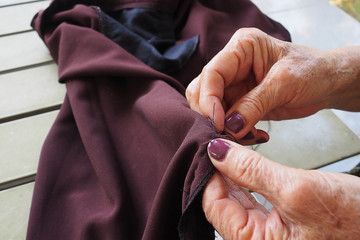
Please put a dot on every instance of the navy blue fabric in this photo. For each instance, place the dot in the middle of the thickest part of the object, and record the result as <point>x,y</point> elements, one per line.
<point>149,35</point>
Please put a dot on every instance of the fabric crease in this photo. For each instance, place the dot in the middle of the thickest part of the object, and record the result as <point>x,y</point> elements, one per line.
<point>126,158</point>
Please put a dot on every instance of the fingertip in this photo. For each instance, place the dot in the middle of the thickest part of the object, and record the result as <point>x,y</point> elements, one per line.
<point>261,140</point>
<point>193,89</point>
<point>250,135</point>
<point>262,133</point>
<point>217,149</point>
<point>213,109</point>
<point>249,110</point>
<point>218,116</point>
<point>261,137</point>
<point>235,122</point>
<point>254,136</point>
<point>243,166</point>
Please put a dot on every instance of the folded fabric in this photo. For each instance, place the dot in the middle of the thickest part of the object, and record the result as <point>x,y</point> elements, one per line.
<point>126,157</point>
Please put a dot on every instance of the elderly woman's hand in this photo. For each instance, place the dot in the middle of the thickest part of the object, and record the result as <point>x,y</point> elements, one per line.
<point>308,204</point>
<point>259,77</point>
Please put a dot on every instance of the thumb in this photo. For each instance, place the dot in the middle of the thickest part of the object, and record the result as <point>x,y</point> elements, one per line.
<point>252,107</point>
<point>248,168</point>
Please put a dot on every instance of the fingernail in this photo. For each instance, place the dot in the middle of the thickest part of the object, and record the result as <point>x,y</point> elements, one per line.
<point>235,122</point>
<point>218,149</point>
<point>261,140</point>
<point>248,136</point>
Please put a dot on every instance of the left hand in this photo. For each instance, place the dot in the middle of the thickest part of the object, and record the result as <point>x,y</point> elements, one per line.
<point>308,204</point>
<point>256,76</point>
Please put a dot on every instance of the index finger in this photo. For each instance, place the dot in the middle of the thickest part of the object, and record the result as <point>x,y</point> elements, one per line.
<point>233,63</point>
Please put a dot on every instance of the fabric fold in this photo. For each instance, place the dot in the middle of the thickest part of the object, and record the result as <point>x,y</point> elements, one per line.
<point>126,157</point>
<point>149,35</point>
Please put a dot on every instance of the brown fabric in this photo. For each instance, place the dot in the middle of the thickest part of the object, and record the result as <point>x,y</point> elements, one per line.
<point>126,157</point>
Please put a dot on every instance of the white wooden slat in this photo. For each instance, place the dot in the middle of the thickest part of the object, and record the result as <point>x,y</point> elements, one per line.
<point>309,142</point>
<point>323,25</point>
<point>22,50</point>
<point>12,2</point>
<point>269,7</point>
<point>15,209</point>
<point>351,119</point>
<point>20,145</point>
<point>30,90</point>
<point>17,18</point>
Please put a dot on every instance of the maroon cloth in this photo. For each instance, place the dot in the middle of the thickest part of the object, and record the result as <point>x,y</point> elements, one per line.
<point>126,157</point>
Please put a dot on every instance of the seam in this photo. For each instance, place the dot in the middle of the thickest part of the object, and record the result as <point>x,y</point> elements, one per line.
<point>207,176</point>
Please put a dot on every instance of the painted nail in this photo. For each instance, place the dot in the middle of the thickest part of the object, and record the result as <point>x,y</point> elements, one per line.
<point>235,122</point>
<point>248,136</point>
<point>261,140</point>
<point>218,149</point>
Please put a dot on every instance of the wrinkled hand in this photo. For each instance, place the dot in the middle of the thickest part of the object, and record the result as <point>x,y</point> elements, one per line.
<point>308,204</point>
<point>259,77</point>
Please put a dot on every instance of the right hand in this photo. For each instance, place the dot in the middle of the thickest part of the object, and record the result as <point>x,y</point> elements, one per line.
<point>308,204</point>
<point>259,77</point>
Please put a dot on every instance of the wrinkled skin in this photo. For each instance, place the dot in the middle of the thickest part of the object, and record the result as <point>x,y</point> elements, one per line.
<point>264,78</point>
<point>308,204</point>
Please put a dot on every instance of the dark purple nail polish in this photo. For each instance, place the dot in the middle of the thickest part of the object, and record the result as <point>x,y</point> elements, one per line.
<point>235,122</point>
<point>261,140</point>
<point>218,149</point>
<point>248,136</point>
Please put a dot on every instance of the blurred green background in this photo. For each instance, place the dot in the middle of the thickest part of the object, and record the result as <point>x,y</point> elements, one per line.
<point>352,7</point>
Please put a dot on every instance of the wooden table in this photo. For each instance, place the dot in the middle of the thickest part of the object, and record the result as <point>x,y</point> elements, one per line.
<point>30,97</point>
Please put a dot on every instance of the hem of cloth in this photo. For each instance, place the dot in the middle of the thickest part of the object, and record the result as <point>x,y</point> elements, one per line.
<point>194,199</point>
<point>196,193</point>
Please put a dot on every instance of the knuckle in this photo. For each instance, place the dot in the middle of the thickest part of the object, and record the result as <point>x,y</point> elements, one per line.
<point>243,39</point>
<point>192,92</point>
<point>214,76</point>
<point>285,72</point>
<point>256,104</point>
<point>206,72</point>
<point>260,106</point>
<point>239,32</point>
<point>206,69</point>
<point>248,32</point>
<point>188,93</point>
<point>209,70</point>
